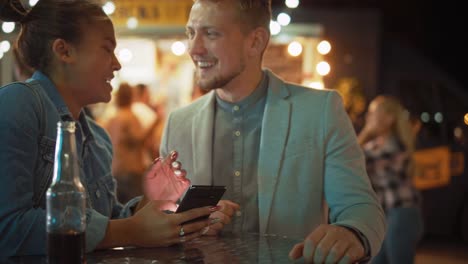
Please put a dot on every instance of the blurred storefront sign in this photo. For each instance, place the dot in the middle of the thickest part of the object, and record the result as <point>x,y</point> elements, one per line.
<point>432,167</point>
<point>435,166</point>
<point>150,13</point>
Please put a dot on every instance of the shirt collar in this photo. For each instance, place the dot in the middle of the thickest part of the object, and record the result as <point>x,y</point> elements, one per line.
<point>250,100</point>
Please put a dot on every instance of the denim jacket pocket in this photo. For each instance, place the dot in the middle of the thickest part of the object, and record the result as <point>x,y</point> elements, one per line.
<point>44,170</point>
<point>103,195</point>
<point>110,186</point>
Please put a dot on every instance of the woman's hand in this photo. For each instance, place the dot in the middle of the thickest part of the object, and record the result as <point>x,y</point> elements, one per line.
<point>150,227</point>
<point>165,180</point>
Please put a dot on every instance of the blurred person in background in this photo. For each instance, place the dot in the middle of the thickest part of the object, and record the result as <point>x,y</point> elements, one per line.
<point>388,142</point>
<point>128,138</point>
<point>71,46</point>
<point>287,154</point>
<point>141,106</point>
<point>147,116</point>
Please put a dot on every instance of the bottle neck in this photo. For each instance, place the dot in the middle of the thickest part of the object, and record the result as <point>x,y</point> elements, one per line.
<point>66,159</point>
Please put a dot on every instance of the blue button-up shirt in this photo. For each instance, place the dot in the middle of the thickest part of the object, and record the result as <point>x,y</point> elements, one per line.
<point>237,146</point>
<point>28,128</point>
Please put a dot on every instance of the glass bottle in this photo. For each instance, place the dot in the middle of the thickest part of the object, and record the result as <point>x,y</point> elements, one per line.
<point>66,202</point>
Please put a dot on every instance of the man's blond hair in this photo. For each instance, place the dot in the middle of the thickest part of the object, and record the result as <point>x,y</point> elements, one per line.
<point>252,13</point>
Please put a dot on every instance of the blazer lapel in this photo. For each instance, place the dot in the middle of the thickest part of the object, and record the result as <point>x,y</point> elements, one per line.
<point>275,127</point>
<point>202,138</point>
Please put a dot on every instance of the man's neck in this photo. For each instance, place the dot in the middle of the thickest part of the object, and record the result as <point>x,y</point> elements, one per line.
<point>237,91</point>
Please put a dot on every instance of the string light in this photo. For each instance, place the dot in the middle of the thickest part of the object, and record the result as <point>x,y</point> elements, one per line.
<point>324,47</point>
<point>323,68</point>
<point>275,28</point>
<point>33,2</point>
<point>5,46</point>
<point>8,27</point>
<point>132,23</point>
<point>109,8</point>
<point>178,48</point>
<point>283,19</point>
<point>292,3</point>
<point>295,48</point>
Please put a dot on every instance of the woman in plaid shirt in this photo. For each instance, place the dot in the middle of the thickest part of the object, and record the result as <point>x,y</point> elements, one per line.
<point>388,144</point>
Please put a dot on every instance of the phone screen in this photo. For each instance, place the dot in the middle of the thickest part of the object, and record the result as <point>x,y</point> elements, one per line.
<point>200,196</point>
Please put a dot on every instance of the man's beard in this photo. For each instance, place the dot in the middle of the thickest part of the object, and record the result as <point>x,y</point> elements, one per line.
<point>219,81</point>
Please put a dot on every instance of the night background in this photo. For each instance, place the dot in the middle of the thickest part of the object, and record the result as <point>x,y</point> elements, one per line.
<point>433,27</point>
<point>412,49</point>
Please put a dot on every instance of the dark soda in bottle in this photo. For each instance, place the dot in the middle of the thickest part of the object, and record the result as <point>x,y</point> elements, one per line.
<point>66,248</point>
<point>66,202</point>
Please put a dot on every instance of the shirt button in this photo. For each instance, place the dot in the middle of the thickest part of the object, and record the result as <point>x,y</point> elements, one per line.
<point>98,193</point>
<point>237,173</point>
<point>237,133</point>
<point>236,108</point>
<point>238,213</point>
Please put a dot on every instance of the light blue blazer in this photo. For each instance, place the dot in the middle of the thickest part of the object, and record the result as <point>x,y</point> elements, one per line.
<point>310,168</point>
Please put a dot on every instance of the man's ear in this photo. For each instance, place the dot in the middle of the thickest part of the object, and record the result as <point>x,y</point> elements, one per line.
<point>63,51</point>
<point>261,37</point>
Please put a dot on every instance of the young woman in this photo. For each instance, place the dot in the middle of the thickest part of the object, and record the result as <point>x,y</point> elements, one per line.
<point>388,143</point>
<point>70,44</point>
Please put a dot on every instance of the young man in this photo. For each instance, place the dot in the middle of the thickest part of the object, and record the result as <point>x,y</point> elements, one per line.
<point>287,154</point>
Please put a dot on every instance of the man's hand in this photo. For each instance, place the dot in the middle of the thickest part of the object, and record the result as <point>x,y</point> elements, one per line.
<point>329,244</point>
<point>222,217</point>
<point>165,180</point>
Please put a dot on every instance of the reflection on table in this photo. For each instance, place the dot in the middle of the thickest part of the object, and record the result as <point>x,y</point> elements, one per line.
<point>228,248</point>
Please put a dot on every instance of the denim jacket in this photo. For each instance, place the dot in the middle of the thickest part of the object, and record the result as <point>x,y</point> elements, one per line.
<point>28,128</point>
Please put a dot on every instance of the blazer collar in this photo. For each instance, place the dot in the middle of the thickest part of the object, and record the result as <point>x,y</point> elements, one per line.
<point>275,128</point>
<point>202,140</point>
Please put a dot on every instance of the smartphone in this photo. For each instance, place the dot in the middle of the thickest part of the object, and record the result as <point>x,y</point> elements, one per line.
<point>200,196</point>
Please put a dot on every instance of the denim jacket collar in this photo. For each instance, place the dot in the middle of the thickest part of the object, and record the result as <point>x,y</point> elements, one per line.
<point>52,93</point>
<point>57,100</point>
